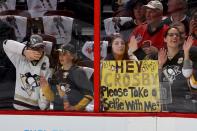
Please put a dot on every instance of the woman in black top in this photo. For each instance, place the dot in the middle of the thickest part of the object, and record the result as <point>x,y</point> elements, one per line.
<point>170,62</point>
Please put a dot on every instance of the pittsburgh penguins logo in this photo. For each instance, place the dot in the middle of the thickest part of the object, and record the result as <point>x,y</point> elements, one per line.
<point>30,82</point>
<point>180,60</point>
<point>65,87</point>
<point>171,72</point>
<point>34,40</point>
<point>65,74</point>
<point>138,37</point>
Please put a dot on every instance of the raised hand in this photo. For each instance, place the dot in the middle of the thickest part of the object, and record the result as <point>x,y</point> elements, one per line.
<point>162,57</point>
<point>192,26</point>
<point>32,55</point>
<point>133,44</point>
<point>186,46</point>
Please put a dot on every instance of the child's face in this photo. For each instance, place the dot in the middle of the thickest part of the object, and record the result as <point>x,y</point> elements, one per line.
<point>65,57</point>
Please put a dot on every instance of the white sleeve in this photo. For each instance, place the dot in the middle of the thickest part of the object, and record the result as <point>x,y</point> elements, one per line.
<point>187,68</point>
<point>14,50</point>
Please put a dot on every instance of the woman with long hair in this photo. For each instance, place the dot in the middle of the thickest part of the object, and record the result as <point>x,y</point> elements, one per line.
<point>118,49</point>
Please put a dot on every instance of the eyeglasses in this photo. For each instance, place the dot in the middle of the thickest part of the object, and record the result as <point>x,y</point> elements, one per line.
<point>173,34</point>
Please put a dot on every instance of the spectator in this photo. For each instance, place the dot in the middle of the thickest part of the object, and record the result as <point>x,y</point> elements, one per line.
<point>193,50</point>
<point>147,51</point>
<point>154,29</point>
<point>189,68</point>
<point>177,10</point>
<point>118,49</point>
<point>30,63</point>
<point>127,10</point>
<point>136,11</point>
<point>124,23</point>
<point>193,26</point>
<point>170,67</point>
<point>182,31</point>
<point>73,87</point>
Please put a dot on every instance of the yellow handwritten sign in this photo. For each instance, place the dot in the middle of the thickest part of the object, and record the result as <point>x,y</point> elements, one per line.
<point>130,86</point>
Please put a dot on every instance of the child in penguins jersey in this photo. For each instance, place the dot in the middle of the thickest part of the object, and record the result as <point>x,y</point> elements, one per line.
<point>31,64</point>
<point>73,87</point>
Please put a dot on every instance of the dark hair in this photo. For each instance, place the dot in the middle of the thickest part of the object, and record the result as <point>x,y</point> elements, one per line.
<point>193,14</point>
<point>177,23</point>
<point>114,36</point>
<point>132,3</point>
<point>166,33</point>
<point>129,6</point>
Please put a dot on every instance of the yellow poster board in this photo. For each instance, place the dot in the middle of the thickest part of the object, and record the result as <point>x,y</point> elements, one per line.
<point>130,86</point>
